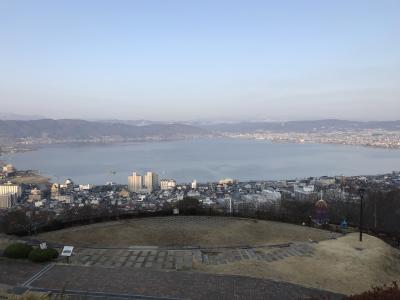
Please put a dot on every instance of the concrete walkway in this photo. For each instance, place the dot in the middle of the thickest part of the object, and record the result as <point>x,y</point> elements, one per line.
<point>126,283</point>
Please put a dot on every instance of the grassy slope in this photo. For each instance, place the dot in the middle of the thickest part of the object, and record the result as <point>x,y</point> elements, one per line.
<point>343,265</point>
<point>183,231</point>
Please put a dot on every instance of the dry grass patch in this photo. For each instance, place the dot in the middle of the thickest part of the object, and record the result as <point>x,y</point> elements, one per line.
<point>344,265</point>
<point>185,231</point>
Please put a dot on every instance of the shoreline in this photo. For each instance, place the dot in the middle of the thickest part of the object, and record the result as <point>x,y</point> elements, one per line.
<point>204,159</point>
<point>304,139</point>
<point>16,148</point>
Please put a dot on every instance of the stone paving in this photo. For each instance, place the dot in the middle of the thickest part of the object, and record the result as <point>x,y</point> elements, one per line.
<point>145,258</point>
<point>268,254</point>
<point>182,259</point>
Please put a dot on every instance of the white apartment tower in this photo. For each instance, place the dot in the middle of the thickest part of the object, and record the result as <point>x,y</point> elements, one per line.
<point>151,181</point>
<point>135,182</point>
<point>10,188</point>
<point>194,184</point>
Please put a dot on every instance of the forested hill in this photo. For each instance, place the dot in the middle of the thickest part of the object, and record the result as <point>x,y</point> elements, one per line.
<point>80,129</point>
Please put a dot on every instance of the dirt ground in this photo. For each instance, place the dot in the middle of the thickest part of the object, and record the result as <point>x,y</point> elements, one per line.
<point>185,231</point>
<point>6,240</point>
<point>343,265</point>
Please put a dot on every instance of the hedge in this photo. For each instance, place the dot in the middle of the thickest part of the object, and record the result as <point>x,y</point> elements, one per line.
<point>42,255</point>
<point>53,251</point>
<point>18,250</point>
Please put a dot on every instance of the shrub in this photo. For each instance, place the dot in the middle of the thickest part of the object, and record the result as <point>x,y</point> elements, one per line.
<point>189,206</point>
<point>17,250</point>
<point>42,255</point>
<point>385,292</point>
<point>53,251</point>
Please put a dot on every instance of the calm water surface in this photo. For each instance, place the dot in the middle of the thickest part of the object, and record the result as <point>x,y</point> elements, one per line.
<point>205,160</point>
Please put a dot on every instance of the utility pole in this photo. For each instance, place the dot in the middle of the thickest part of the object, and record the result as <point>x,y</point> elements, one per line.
<point>361,192</point>
<point>375,214</point>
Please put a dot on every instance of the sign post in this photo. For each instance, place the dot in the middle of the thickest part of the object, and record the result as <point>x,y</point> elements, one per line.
<point>67,252</point>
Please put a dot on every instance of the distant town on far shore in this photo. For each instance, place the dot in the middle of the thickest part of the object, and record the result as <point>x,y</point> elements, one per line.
<point>24,135</point>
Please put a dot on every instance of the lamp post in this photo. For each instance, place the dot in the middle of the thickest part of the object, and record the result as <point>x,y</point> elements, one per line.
<point>361,191</point>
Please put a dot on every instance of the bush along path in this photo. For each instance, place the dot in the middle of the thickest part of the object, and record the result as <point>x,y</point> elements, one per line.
<point>34,254</point>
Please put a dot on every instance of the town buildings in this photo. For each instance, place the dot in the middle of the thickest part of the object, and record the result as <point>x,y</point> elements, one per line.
<point>8,170</point>
<point>7,200</point>
<point>167,184</point>
<point>35,195</point>
<point>304,192</point>
<point>149,194</point>
<point>9,195</point>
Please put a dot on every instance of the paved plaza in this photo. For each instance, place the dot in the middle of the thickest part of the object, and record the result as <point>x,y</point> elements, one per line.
<point>183,259</point>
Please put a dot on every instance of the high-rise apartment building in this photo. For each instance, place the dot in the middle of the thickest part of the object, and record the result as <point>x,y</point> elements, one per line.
<point>135,182</point>
<point>147,183</point>
<point>194,184</point>
<point>151,181</point>
<point>7,200</point>
<point>10,188</point>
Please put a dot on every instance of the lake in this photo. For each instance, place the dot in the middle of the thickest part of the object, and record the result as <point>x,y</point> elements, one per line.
<point>204,160</point>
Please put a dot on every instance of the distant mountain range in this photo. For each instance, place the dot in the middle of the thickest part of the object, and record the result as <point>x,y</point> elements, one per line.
<point>80,129</point>
<point>67,129</point>
<point>302,126</point>
<point>12,116</point>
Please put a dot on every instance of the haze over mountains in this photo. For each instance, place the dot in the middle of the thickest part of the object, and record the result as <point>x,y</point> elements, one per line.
<point>13,116</point>
<point>303,126</point>
<point>81,129</point>
<point>142,129</point>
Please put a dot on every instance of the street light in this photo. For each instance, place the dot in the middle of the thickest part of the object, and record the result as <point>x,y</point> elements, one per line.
<point>361,191</point>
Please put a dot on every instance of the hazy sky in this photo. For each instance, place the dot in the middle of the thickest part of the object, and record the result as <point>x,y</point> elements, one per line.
<point>182,60</point>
